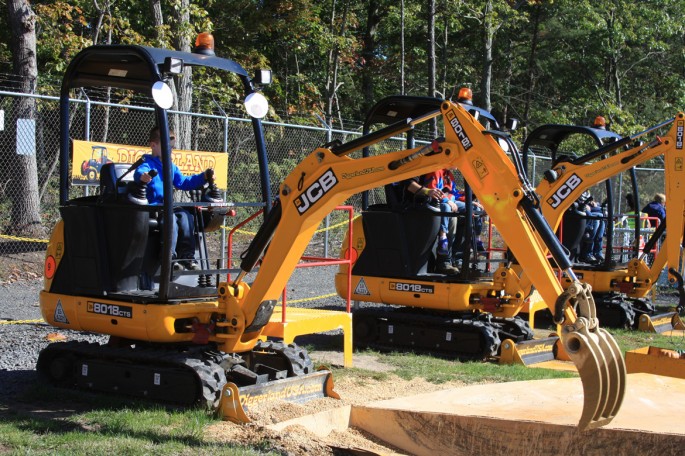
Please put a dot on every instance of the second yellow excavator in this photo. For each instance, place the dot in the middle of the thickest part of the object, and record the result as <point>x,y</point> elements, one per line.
<point>393,266</point>
<point>620,288</point>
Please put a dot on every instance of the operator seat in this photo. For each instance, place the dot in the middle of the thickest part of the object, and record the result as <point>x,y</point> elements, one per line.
<point>399,238</point>
<point>572,228</point>
<point>130,230</point>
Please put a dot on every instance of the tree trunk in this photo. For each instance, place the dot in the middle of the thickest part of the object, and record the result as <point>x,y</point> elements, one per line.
<point>332,84</point>
<point>402,49</point>
<point>158,21</point>
<point>532,79</point>
<point>488,39</point>
<point>104,11</point>
<point>614,57</point>
<point>331,65</point>
<point>23,188</point>
<point>431,48</point>
<point>431,57</point>
<point>184,81</point>
<point>373,18</point>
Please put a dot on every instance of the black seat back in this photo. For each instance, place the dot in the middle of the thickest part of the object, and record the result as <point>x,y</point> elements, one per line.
<point>111,183</point>
<point>572,228</point>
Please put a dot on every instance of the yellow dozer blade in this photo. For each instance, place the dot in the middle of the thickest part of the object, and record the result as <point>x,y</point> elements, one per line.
<point>546,353</point>
<point>657,361</point>
<point>236,401</point>
<point>661,323</point>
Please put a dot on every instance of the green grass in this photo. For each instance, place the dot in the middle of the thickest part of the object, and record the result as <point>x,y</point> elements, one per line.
<point>437,370</point>
<point>630,340</point>
<point>102,425</point>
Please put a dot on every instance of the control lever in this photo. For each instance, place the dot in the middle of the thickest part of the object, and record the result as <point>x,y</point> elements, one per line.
<point>137,191</point>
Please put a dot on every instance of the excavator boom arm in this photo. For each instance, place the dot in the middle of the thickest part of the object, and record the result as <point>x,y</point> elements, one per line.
<point>324,180</point>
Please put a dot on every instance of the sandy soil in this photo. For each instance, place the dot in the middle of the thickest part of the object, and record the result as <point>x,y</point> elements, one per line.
<point>297,440</point>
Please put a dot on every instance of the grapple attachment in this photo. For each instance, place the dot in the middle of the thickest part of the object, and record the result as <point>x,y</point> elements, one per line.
<point>597,358</point>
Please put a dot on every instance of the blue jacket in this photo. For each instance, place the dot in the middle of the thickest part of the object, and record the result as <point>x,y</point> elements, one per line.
<point>155,189</point>
<point>655,209</point>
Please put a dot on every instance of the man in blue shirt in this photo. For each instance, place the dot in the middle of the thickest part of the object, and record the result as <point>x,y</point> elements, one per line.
<point>656,209</point>
<point>182,240</point>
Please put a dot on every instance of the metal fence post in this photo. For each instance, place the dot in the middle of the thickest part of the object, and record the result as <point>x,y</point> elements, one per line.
<point>225,196</point>
<point>329,138</point>
<point>86,189</point>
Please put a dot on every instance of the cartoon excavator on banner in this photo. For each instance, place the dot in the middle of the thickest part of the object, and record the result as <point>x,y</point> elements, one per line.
<point>178,341</point>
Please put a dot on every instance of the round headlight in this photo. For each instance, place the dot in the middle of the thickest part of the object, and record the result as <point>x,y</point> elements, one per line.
<point>256,105</point>
<point>162,95</point>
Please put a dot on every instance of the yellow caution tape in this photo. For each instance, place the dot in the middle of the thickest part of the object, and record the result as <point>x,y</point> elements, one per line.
<point>290,301</point>
<point>17,238</point>
<point>21,322</point>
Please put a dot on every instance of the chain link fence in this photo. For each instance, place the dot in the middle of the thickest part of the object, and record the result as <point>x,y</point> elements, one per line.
<point>99,121</point>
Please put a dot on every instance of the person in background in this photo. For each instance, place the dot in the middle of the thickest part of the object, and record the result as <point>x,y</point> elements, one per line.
<point>591,244</point>
<point>428,190</point>
<point>182,240</point>
<point>656,209</point>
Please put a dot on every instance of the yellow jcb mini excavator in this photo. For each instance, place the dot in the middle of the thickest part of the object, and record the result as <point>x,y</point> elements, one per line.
<point>176,335</point>
<point>620,289</point>
<point>329,176</point>
<point>466,315</point>
<point>212,332</point>
<point>393,266</point>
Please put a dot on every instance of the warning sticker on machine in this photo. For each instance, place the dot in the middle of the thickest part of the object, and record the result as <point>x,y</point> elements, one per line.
<point>412,287</point>
<point>60,316</point>
<point>361,288</point>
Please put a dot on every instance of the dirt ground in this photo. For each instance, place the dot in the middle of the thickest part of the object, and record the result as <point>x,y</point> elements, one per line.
<point>296,440</point>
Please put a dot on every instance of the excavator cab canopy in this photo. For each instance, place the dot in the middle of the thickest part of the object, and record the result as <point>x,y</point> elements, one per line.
<point>146,71</point>
<point>547,139</point>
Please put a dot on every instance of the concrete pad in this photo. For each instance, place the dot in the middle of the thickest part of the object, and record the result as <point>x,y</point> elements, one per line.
<point>532,417</point>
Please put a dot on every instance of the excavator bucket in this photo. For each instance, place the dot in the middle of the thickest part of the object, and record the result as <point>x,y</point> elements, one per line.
<point>236,401</point>
<point>601,369</point>
<point>661,323</point>
<point>597,357</point>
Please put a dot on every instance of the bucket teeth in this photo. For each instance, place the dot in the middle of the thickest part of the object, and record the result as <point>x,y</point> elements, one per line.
<point>600,365</point>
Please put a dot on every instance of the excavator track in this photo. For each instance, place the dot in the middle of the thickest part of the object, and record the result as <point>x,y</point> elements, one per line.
<point>614,311</point>
<point>187,375</point>
<point>463,335</point>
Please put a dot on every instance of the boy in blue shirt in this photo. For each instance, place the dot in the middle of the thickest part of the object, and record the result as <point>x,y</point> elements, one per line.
<point>182,240</point>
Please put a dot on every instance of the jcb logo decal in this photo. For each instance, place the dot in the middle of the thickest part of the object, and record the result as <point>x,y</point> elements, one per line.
<point>560,195</point>
<point>680,129</point>
<point>459,130</point>
<point>315,191</point>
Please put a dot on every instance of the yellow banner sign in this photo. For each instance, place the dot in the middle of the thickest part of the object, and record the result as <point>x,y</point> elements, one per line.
<point>88,158</point>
